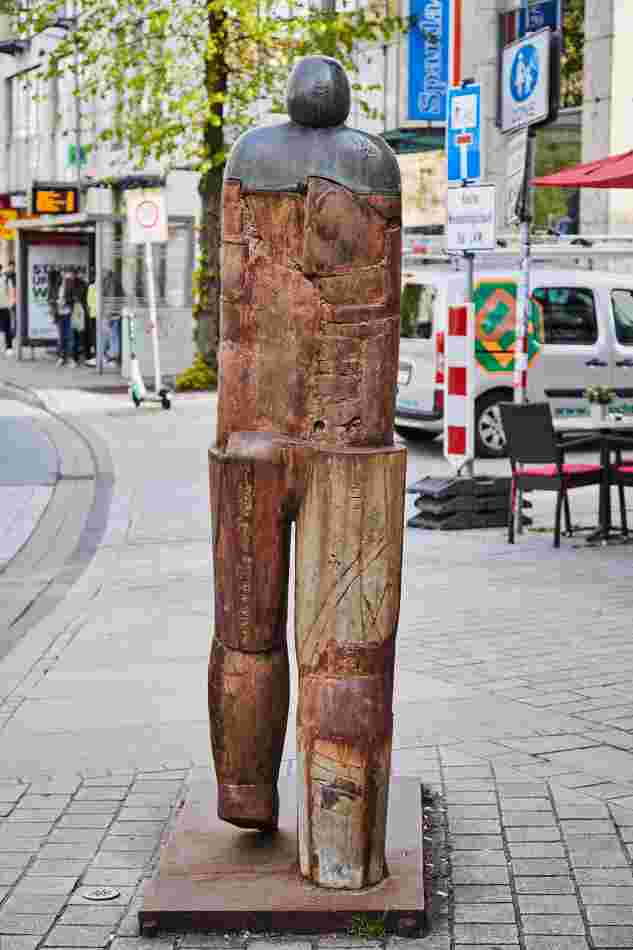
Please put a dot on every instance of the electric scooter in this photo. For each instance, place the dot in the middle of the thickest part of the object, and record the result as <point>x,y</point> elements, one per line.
<point>138,392</point>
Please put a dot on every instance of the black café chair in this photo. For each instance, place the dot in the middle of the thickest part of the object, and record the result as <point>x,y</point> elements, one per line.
<point>537,460</point>
<point>621,472</point>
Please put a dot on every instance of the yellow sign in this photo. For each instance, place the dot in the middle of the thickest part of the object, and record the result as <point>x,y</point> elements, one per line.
<point>6,215</point>
<point>54,200</point>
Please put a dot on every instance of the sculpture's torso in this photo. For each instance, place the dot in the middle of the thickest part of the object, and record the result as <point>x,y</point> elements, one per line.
<point>310,298</point>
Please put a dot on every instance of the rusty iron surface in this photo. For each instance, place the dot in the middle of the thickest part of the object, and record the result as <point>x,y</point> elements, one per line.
<point>214,877</point>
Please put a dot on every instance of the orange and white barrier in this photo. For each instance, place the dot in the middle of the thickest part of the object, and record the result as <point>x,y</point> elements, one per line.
<point>459,386</point>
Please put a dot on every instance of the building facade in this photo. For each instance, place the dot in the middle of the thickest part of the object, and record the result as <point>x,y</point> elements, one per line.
<point>449,40</point>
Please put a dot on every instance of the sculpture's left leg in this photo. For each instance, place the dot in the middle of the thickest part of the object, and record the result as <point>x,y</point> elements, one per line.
<point>349,556</point>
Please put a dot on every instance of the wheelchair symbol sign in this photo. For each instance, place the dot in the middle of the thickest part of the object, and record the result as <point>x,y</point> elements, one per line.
<point>524,73</point>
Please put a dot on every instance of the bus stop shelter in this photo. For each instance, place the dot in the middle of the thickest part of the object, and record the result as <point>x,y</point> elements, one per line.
<point>98,246</point>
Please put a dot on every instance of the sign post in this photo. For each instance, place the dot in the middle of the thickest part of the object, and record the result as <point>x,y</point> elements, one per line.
<point>147,224</point>
<point>528,97</point>
<point>525,97</point>
<point>470,225</point>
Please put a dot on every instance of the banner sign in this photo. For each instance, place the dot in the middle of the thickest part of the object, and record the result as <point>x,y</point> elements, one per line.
<point>429,55</point>
<point>41,260</point>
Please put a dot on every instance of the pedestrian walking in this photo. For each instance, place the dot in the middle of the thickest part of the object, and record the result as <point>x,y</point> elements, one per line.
<point>52,296</point>
<point>5,313</point>
<point>65,302</point>
<point>79,314</point>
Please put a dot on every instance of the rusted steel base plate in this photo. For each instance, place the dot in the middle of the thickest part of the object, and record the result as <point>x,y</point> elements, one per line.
<point>213,876</point>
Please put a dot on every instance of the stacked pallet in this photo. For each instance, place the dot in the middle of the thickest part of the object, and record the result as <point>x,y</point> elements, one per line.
<point>450,504</point>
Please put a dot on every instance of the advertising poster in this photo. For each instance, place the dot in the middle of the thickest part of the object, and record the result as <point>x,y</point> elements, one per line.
<point>423,189</point>
<point>41,260</point>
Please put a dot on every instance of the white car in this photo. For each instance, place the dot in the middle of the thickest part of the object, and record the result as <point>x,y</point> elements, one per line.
<point>580,334</point>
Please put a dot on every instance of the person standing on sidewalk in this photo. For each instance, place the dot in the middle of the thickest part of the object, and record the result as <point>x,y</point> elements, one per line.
<point>5,313</point>
<point>79,315</point>
<point>65,302</point>
<point>13,296</point>
<point>91,304</point>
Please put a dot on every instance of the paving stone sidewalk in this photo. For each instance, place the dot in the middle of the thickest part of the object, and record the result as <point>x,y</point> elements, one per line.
<point>525,864</point>
<point>512,702</point>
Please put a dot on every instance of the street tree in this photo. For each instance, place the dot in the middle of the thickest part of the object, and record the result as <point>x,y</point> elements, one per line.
<point>175,83</point>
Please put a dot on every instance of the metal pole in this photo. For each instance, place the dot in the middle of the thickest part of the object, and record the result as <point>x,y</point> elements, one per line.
<point>19,248</point>
<point>523,289</point>
<point>152,315</point>
<point>523,304</point>
<point>99,291</point>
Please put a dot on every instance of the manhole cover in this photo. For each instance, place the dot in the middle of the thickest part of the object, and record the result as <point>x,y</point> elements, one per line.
<point>101,894</point>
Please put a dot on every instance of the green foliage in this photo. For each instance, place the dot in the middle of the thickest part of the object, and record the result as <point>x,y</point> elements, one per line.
<point>176,82</point>
<point>573,55</point>
<point>167,73</point>
<point>551,156</point>
<point>367,927</point>
<point>408,310</point>
<point>197,377</point>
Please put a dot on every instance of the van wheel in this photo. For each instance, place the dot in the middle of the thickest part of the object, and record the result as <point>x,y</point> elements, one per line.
<point>490,439</point>
<point>415,435</point>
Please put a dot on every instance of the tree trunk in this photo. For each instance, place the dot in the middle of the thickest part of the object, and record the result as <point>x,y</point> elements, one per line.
<point>207,311</point>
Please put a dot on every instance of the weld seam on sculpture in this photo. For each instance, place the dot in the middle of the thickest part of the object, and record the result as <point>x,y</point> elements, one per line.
<point>308,365</point>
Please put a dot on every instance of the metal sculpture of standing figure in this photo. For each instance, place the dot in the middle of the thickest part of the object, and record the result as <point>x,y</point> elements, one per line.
<point>308,366</point>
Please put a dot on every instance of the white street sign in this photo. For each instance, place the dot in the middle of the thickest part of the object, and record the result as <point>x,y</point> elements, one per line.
<point>146,216</point>
<point>471,218</point>
<point>516,158</point>
<point>525,81</point>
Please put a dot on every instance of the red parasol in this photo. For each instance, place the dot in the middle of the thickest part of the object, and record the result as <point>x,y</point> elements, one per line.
<point>616,171</point>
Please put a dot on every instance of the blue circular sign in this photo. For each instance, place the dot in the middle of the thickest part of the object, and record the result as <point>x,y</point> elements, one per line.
<point>524,74</point>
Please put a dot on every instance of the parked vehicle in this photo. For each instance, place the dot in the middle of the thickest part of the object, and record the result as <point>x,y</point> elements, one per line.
<point>580,334</point>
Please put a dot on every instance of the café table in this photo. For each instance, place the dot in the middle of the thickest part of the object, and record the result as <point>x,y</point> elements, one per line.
<point>603,428</point>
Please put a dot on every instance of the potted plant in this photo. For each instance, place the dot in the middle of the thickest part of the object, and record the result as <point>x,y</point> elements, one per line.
<point>600,398</point>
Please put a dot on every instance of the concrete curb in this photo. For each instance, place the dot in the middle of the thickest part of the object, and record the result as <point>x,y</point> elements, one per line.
<point>68,532</point>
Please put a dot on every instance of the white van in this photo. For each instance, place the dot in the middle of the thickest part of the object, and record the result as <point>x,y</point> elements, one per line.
<point>580,334</point>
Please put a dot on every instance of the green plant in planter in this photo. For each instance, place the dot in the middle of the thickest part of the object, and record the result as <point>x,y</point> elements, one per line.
<point>199,377</point>
<point>602,395</point>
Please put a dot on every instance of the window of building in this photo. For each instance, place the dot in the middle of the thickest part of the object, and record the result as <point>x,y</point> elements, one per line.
<point>569,315</point>
<point>24,128</point>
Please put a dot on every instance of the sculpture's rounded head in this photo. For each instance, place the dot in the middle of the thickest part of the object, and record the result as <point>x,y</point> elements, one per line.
<point>318,92</point>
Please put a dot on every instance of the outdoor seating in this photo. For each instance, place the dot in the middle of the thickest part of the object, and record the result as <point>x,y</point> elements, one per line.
<point>621,472</point>
<point>537,460</point>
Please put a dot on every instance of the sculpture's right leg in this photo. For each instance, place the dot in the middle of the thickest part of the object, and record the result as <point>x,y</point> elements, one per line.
<point>248,665</point>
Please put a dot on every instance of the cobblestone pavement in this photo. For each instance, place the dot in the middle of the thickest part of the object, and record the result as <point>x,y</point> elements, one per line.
<point>523,863</point>
<point>512,703</point>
